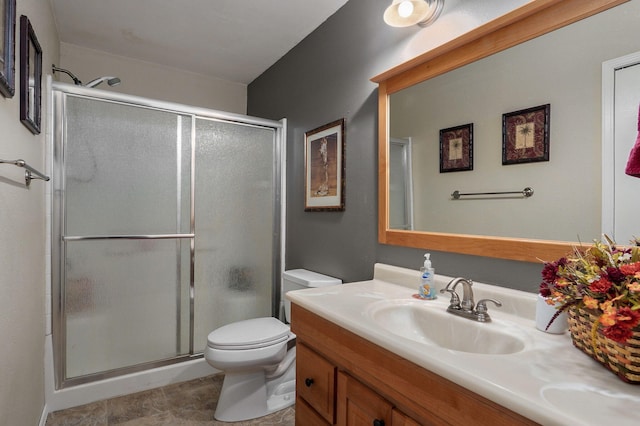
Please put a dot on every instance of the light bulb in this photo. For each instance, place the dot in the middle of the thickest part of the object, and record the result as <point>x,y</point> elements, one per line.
<point>405,9</point>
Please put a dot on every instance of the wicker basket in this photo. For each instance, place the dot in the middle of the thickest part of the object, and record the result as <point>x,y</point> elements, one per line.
<point>622,359</point>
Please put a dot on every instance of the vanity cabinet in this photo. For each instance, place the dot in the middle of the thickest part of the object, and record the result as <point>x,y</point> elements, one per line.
<point>343,379</point>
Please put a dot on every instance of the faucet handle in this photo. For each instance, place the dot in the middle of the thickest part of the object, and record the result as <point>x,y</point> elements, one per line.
<point>455,299</point>
<point>481,309</point>
<point>482,304</point>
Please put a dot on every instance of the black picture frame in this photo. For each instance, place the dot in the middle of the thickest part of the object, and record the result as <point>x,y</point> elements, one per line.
<point>456,148</point>
<point>7,46</point>
<point>525,135</point>
<point>30,77</point>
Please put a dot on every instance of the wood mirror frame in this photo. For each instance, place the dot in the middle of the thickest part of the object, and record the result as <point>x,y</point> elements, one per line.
<point>534,19</point>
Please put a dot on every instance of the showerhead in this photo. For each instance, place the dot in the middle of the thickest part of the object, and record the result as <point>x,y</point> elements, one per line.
<point>111,81</point>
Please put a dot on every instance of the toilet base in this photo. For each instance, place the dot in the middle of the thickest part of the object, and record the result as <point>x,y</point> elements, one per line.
<point>249,396</point>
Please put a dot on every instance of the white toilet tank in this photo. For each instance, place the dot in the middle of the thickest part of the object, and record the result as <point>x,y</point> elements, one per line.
<point>297,279</point>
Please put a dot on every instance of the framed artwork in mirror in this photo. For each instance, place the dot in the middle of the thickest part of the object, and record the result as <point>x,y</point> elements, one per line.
<point>7,47</point>
<point>456,148</point>
<point>525,135</point>
<point>30,77</point>
<point>324,167</point>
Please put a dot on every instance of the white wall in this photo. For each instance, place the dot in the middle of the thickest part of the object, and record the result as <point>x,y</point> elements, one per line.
<point>22,252</point>
<point>152,80</point>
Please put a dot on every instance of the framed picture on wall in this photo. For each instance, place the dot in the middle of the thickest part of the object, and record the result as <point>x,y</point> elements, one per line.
<point>456,148</point>
<point>30,77</point>
<point>324,167</point>
<point>7,47</point>
<point>525,135</point>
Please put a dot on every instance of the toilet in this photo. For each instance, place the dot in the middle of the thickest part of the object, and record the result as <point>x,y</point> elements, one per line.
<point>258,357</point>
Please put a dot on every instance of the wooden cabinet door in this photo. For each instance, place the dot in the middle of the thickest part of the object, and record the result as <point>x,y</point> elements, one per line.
<point>357,405</point>
<point>315,381</point>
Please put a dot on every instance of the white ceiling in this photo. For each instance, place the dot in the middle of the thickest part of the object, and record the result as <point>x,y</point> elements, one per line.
<point>234,40</point>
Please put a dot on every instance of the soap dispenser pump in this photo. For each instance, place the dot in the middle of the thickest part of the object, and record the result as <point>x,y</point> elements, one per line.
<point>427,290</point>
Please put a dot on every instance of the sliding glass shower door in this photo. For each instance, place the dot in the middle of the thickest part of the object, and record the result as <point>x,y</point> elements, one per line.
<point>165,226</point>
<point>235,217</point>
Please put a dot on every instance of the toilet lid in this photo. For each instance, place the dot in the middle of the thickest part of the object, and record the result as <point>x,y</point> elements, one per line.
<point>249,334</point>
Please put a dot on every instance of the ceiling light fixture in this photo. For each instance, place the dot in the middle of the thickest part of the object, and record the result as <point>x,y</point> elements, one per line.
<point>404,13</point>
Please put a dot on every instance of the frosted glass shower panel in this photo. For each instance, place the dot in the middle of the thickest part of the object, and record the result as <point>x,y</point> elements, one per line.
<point>127,169</point>
<point>122,300</point>
<point>234,245</point>
<point>165,225</point>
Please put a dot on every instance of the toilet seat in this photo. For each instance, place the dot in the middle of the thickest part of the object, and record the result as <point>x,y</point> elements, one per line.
<point>249,334</point>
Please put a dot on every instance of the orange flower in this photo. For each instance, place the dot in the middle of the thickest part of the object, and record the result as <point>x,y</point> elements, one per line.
<point>608,319</point>
<point>634,287</point>
<point>590,302</point>
<point>607,306</point>
<point>609,314</point>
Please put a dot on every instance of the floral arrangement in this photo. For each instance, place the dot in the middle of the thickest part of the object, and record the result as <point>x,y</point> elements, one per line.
<point>604,279</point>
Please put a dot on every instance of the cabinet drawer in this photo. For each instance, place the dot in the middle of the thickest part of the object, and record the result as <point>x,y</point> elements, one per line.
<point>316,381</point>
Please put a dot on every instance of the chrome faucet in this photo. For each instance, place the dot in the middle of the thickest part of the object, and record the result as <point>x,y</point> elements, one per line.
<point>467,307</point>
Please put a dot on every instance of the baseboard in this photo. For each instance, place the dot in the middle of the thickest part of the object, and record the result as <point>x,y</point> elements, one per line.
<point>43,416</point>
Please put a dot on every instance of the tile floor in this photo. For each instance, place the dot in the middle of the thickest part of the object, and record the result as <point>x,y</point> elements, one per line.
<point>190,403</point>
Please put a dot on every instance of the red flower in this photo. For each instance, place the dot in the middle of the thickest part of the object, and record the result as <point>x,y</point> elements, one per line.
<point>627,317</point>
<point>615,275</point>
<point>550,274</point>
<point>600,286</point>
<point>544,290</point>
<point>618,333</point>
<point>630,269</point>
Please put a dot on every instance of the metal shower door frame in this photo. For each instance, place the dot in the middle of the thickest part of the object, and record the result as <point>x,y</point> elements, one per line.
<point>60,92</point>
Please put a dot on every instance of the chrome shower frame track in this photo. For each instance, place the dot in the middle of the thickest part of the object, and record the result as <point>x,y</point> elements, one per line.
<point>59,93</point>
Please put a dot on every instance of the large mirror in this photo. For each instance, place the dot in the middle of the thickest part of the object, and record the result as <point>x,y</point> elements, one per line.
<point>529,58</point>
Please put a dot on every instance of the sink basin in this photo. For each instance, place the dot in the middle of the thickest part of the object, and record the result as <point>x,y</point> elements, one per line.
<point>429,323</point>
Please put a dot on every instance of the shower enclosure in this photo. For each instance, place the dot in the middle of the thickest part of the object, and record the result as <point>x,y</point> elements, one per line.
<point>166,223</point>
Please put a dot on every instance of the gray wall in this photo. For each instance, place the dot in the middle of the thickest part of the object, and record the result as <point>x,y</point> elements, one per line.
<point>327,77</point>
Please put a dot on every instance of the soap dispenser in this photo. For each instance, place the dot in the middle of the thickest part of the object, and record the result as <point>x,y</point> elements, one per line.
<point>427,290</point>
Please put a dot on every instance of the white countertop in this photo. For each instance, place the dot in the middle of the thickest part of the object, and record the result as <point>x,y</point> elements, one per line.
<point>550,381</point>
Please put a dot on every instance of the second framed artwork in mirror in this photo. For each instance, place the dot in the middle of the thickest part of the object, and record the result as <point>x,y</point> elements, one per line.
<point>30,77</point>
<point>525,135</point>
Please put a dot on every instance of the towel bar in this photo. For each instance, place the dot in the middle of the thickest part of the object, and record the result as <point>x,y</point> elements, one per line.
<point>29,173</point>
<point>525,193</point>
